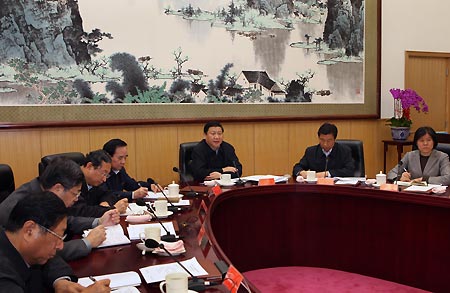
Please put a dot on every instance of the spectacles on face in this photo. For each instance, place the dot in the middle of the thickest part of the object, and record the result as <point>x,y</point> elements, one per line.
<point>53,233</point>
<point>104,174</point>
<point>75,194</point>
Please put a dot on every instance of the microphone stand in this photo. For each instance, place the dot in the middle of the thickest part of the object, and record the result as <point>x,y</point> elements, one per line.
<point>239,182</point>
<point>172,207</point>
<point>326,166</point>
<point>193,284</point>
<point>191,191</point>
<point>399,171</point>
<point>168,237</point>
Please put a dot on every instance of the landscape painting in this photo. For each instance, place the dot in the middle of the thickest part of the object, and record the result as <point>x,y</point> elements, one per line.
<point>179,52</point>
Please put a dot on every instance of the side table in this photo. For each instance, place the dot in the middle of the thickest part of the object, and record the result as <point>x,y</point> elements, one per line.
<point>400,144</point>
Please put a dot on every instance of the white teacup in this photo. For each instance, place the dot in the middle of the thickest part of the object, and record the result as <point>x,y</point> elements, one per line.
<point>381,179</point>
<point>151,233</point>
<point>225,178</point>
<point>174,189</point>
<point>175,283</point>
<point>310,175</point>
<point>161,207</point>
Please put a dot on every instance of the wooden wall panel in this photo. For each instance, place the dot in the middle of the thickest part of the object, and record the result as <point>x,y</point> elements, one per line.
<point>98,137</point>
<point>272,148</point>
<point>263,148</point>
<point>157,153</point>
<point>22,151</point>
<point>242,137</point>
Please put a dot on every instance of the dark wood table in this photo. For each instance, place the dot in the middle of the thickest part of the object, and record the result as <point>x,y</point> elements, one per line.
<point>399,144</point>
<point>396,236</point>
<point>129,258</point>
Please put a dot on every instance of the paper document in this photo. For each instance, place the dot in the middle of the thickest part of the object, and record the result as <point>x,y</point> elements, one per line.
<point>157,273</point>
<point>257,177</point>
<point>182,202</point>
<point>114,236</point>
<point>416,188</point>
<point>135,230</point>
<point>349,180</point>
<point>134,209</point>
<point>158,195</point>
<point>117,280</point>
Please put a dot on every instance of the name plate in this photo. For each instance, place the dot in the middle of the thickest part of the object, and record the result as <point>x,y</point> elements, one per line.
<point>325,181</point>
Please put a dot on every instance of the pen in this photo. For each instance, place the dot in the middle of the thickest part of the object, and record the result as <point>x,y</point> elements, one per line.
<point>404,169</point>
<point>92,279</point>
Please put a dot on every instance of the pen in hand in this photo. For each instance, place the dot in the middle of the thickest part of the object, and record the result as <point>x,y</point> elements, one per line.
<point>92,279</point>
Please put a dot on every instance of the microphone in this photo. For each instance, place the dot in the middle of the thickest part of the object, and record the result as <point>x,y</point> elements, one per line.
<point>194,284</point>
<point>172,207</point>
<point>239,182</point>
<point>326,166</point>
<point>191,191</point>
<point>168,237</point>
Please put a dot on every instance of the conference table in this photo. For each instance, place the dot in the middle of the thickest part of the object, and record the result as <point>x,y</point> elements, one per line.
<point>397,236</point>
<point>128,257</point>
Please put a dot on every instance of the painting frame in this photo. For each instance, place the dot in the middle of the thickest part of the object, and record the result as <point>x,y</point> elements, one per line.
<point>161,113</point>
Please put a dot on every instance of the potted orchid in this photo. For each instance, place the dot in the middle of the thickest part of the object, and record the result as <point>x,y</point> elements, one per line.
<point>403,101</point>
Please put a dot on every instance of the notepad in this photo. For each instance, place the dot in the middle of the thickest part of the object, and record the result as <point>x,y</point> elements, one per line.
<point>114,236</point>
<point>118,280</point>
<point>416,188</point>
<point>135,230</point>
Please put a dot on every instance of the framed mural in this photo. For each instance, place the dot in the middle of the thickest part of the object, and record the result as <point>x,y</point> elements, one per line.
<point>84,60</point>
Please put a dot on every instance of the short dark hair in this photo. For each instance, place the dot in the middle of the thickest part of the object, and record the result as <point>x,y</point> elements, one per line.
<point>97,158</point>
<point>421,131</point>
<point>111,146</point>
<point>44,208</point>
<point>328,128</point>
<point>63,171</point>
<point>210,124</point>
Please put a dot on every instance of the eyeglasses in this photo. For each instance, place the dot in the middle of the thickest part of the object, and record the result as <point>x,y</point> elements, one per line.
<point>75,194</point>
<point>53,233</point>
<point>104,174</point>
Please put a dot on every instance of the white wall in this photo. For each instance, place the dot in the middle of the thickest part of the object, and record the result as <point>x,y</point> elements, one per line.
<point>409,25</point>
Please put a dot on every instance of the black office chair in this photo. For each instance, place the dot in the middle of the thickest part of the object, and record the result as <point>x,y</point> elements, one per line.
<point>185,158</point>
<point>74,156</point>
<point>357,153</point>
<point>7,184</point>
<point>444,147</point>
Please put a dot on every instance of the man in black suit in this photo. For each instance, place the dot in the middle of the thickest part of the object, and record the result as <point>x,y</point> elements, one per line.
<point>32,235</point>
<point>119,181</point>
<point>328,158</point>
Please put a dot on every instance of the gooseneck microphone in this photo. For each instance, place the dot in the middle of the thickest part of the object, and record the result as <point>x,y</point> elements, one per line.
<point>239,182</point>
<point>172,207</point>
<point>191,191</point>
<point>194,284</point>
<point>399,171</point>
<point>168,237</point>
<point>326,166</point>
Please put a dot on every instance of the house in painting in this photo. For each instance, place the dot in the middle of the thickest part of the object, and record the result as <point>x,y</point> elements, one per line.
<point>260,80</point>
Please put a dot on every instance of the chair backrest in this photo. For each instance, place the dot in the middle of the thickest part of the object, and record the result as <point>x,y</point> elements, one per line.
<point>444,147</point>
<point>185,158</point>
<point>74,156</point>
<point>7,184</point>
<point>357,153</point>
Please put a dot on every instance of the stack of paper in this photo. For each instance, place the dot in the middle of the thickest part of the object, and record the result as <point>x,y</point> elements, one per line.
<point>257,177</point>
<point>117,280</point>
<point>157,273</point>
<point>135,230</point>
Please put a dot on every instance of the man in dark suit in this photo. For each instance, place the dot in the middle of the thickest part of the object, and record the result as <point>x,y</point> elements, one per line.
<point>328,158</point>
<point>32,235</point>
<point>94,199</point>
<point>213,157</point>
<point>119,181</point>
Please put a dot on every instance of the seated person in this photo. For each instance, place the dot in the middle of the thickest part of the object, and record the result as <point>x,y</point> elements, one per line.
<point>424,163</point>
<point>119,181</point>
<point>94,200</point>
<point>328,158</point>
<point>32,235</point>
<point>63,177</point>
<point>212,156</point>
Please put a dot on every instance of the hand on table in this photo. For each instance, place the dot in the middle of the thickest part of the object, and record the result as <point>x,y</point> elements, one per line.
<point>141,192</point>
<point>97,236</point>
<point>213,175</point>
<point>110,218</point>
<point>122,205</point>
<point>155,188</point>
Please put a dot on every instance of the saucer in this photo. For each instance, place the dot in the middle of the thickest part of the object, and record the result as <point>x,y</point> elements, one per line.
<point>169,213</point>
<point>142,247</point>
<point>222,183</point>
<point>376,185</point>
<point>311,181</point>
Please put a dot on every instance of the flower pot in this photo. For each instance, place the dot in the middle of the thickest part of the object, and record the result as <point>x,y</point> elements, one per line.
<point>400,133</point>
